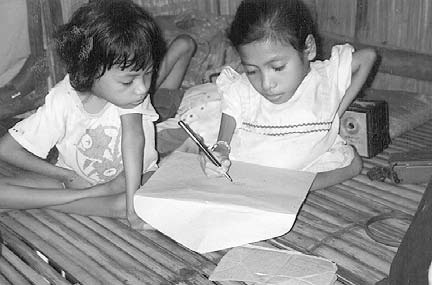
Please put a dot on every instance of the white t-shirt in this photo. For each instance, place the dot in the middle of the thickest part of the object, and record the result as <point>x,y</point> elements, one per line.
<point>301,134</point>
<point>89,144</point>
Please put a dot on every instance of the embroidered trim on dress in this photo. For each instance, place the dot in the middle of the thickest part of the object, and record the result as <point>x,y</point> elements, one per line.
<point>302,128</point>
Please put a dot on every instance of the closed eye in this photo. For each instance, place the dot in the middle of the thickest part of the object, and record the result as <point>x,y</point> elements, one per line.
<point>279,68</point>
<point>127,83</point>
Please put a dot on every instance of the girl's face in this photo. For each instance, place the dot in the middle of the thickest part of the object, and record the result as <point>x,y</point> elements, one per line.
<point>274,69</point>
<point>123,88</point>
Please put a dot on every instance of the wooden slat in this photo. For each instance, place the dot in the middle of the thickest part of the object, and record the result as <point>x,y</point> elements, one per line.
<point>11,274</point>
<point>155,259</point>
<point>3,280</point>
<point>28,272</point>
<point>191,261</point>
<point>29,256</point>
<point>51,245</point>
<point>96,245</point>
<point>71,236</point>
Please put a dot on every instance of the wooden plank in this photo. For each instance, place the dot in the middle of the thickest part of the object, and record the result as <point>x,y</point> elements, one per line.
<point>51,245</point>
<point>360,254</point>
<point>145,252</point>
<point>80,244</point>
<point>357,272</point>
<point>99,242</point>
<point>3,280</point>
<point>361,24</point>
<point>392,61</point>
<point>53,18</point>
<point>158,242</point>
<point>20,266</point>
<point>11,274</point>
<point>29,256</point>
<point>358,236</point>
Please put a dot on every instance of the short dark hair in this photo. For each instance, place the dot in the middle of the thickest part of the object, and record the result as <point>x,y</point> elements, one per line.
<point>285,21</point>
<point>105,33</point>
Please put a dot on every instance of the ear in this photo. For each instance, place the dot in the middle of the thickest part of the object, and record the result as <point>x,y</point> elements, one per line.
<point>310,48</point>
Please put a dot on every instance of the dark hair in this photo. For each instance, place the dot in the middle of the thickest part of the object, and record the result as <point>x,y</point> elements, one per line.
<point>105,33</point>
<point>284,21</point>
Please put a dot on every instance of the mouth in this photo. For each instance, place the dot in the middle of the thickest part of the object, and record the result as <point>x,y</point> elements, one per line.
<point>274,97</point>
<point>137,103</point>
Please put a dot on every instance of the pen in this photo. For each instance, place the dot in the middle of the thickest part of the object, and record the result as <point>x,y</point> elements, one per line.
<point>203,147</point>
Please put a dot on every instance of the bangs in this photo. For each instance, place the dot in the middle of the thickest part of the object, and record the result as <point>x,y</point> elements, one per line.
<point>129,50</point>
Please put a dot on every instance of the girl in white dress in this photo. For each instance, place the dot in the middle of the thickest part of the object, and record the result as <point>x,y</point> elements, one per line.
<point>284,110</point>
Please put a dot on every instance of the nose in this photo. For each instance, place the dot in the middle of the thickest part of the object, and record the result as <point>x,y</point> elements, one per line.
<point>141,87</point>
<point>267,82</point>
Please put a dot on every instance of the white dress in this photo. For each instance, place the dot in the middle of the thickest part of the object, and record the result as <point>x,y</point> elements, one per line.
<point>89,144</point>
<point>301,134</point>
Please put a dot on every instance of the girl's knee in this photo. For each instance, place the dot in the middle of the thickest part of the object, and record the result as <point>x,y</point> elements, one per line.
<point>184,45</point>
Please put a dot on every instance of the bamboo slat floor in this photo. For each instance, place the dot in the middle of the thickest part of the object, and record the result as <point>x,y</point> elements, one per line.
<point>94,250</point>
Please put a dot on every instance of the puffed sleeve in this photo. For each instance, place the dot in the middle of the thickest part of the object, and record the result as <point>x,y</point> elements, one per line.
<point>340,68</point>
<point>229,85</point>
<point>39,132</point>
<point>145,108</point>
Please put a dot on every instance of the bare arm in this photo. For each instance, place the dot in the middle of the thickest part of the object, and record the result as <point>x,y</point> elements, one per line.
<point>226,131</point>
<point>362,62</point>
<point>133,153</point>
<point>221,151</point>
<point>332,177</point>
<point>42,184</point>
<point>12,152</point>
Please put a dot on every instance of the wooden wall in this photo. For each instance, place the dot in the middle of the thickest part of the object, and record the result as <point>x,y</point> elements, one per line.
<point>400,30</point>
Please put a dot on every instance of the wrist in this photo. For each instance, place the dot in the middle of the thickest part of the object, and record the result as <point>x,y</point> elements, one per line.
<point>222,147</point>
<point>66,175</point>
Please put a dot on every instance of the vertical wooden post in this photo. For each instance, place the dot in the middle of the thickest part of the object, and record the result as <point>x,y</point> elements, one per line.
<point>53,17</point>
<point>37,51</point>
<point>361,25</point>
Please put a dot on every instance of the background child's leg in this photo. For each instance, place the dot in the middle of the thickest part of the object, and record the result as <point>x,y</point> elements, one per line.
<point>176,62</point>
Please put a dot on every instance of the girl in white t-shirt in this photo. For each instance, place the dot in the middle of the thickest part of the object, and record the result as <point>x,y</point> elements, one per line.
<point>99,116</point>
<point>284,110</point>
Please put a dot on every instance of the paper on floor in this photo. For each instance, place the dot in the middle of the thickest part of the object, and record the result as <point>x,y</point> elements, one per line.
<point>209,214</point>
<point>274,267</point>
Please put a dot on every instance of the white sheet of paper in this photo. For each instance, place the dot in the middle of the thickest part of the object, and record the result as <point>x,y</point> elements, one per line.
<point>209,214</point>
<point>274,267</point>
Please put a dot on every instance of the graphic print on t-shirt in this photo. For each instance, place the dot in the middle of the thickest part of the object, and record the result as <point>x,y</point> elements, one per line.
<point>98,153</point>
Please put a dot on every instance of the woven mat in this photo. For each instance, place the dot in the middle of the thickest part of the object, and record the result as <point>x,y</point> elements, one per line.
<point>332,221</point>
<point>330,224</point>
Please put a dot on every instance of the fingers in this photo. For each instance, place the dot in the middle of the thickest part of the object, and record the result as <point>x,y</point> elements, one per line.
<point>226,163</point>
<point>212,170</point>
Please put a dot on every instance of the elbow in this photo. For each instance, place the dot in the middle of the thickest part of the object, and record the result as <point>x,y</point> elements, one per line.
<point>8,147</point>
<point>356,165</point>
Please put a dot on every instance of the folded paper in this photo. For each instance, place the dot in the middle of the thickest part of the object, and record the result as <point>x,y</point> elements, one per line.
<point>274,267</point>
<point>209,214</point>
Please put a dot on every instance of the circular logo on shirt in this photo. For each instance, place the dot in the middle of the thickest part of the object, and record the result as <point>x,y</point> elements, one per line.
<point>99,153</point>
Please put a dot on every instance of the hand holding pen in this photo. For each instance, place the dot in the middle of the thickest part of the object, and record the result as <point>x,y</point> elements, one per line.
<point>219,163</point>
<point>210,169</point>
